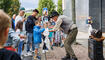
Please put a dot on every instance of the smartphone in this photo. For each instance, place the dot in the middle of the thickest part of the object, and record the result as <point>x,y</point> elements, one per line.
<point>25,16</point>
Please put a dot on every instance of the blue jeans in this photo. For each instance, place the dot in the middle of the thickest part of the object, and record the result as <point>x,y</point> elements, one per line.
<point>30,41</point>
<point>20,47</point>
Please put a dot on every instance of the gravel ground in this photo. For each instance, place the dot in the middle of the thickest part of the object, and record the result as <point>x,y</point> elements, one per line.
<point>58,53</point>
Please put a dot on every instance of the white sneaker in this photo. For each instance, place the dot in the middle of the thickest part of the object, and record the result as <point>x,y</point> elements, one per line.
<point>26,54</point>
<point>46,50</point>
<point>29,53</point>
<point>22,57</point>
<point>43,51</point>
<point>33,51</point>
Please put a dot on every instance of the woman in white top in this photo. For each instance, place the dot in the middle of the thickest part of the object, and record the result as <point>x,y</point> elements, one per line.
<point>21,35</point>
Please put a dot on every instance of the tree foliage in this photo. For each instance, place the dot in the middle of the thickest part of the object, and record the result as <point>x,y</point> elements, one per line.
<point>59,9</point>
<point>46,4</point>
<point>10,6</point>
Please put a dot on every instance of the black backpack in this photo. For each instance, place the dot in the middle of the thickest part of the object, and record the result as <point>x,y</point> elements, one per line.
<point>1,56</point>
<point>96,33</point>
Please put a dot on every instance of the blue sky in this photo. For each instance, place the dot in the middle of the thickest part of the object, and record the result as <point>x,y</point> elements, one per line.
<point>31,4</point>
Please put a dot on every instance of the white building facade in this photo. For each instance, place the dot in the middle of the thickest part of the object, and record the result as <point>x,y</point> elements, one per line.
<point>82,12</point>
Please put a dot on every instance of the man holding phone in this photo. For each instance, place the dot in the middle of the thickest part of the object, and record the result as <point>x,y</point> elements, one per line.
<point>21,17</point>
<point>29,30</point>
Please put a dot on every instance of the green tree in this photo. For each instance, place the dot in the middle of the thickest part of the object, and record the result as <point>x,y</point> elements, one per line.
<point>59,9</point>
<point>10,6</point>
<point>46,4</point>
<point>14,7</point>
<point>5,5</point>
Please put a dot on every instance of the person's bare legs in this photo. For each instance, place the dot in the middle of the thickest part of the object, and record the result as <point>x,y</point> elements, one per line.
<point>36,53</point>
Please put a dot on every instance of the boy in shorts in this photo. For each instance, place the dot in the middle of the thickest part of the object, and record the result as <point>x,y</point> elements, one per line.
<point>37,37</point>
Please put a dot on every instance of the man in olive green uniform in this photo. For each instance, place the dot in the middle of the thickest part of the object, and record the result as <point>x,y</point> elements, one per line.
<point>70,29</point>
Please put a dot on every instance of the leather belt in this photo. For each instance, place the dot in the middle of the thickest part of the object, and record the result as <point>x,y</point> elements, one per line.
<point>72,29</point>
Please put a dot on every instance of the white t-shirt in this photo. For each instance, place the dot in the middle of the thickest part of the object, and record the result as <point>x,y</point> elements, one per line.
<point>46,34</point>
<point>18,18</point>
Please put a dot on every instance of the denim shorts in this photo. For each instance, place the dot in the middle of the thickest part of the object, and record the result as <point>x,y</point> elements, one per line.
<point>36,46</point>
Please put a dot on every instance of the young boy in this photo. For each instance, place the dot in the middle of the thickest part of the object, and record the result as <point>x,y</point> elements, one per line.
<point>37,37</point>
<point>4,29</point>
<point>46,34</point>
<point>51,36</point>
<point>21,34</point>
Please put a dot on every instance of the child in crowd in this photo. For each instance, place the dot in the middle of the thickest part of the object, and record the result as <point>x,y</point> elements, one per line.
<point>52,23</point>
<point>21,34</point>
<point>5,24</point>
<point>51,35</point>
<point>39,18</point>
<point>9,45</point>
<point>89,22</point>
<point>63,37</point>
<point>46,34</point>
<point>37,37</point>
<point>57,38</point>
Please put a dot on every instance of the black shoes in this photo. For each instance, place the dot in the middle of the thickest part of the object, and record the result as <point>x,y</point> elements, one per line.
<point>74,59</point>
<point>66,58</point>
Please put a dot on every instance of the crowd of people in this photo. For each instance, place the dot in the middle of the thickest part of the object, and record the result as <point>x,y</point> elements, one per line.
<point>34,30</point>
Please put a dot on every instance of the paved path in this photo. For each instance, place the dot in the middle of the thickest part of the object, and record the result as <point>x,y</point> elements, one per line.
<point>58,53</point>
<point>81,51</point>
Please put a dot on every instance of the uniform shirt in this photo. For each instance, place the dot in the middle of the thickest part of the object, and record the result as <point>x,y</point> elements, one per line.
<point>65,23</point>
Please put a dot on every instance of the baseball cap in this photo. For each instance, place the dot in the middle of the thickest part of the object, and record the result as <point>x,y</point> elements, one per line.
<point>22,9</point>
<point>54,13</point>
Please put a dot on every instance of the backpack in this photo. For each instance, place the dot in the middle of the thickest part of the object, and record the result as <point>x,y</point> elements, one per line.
<point>1,56</point>
<point>96,33</point>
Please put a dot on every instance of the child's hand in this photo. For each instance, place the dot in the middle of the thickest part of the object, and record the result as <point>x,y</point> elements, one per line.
<point>23,37</point>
